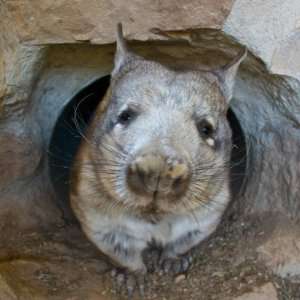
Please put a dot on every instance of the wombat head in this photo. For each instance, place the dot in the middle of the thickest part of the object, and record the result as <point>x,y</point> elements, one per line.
<point>163,140</point>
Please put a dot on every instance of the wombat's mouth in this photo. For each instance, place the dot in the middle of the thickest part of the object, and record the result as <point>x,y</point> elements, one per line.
<point>157,208</point>
<point>152,213</point>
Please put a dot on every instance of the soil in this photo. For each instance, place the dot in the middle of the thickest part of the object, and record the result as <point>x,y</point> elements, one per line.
<point>63,265</point>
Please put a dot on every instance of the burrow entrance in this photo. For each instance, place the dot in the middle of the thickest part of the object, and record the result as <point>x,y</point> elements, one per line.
<point>75,118</point>
<point>61,264</point>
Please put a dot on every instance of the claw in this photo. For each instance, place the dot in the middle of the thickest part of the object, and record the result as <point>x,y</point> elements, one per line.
<point>142,290</point>
<point>176,265</point>
<point>128,283</point>
<point>120,279</point>
<point>131,284</point>
<point>167,265</point>
<point>151,259</point>
<point>186,263</point>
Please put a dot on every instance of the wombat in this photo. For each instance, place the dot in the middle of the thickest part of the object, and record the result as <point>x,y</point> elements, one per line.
<point>153,167</point>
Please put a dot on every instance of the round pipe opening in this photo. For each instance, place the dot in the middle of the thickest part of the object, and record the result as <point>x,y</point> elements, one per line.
<point>73,121</point>
<point>67,135</point>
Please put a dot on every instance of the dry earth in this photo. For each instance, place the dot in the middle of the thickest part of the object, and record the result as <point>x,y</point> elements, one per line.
<point>63,265</point>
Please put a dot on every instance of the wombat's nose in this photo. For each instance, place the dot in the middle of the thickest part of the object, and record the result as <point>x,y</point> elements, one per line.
<point>150,173</point>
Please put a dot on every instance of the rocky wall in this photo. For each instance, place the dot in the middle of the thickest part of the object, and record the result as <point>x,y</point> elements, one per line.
<point>50,50</point>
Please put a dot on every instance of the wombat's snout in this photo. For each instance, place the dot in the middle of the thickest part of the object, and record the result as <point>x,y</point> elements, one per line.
<point>156,173</point>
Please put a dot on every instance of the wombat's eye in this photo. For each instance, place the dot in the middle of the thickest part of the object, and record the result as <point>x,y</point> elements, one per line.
<point>205,129</point>
<point>126,116</point>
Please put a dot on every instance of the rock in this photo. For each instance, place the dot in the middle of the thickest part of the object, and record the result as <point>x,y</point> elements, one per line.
<point>22,68</point>
<point>286,58</point>
<point>265,292</point>
<point>6,292</point>
<point>281,252</point>
<point>20,153</point>
<point>2,79</point>
<point>179,278</point>
<point>43,22</point>
<point>263,24</point>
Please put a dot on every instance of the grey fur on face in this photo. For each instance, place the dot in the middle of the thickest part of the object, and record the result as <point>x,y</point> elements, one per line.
<point>158,153</point>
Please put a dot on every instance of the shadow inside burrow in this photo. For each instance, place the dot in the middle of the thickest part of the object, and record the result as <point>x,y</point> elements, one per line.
<point>66,137</point>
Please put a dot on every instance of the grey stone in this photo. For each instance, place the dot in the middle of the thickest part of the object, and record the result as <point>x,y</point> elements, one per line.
<point>43,22</point>
<point>6,292</point>
<point>286,58</point>
<point>281,252</point>
<point>265,292</point>
<point>263,24</point>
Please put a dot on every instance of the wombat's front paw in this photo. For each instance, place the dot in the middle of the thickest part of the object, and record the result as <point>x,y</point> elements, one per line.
<point>151,258</point>
<point>129,282</point>
<point>176,265</point>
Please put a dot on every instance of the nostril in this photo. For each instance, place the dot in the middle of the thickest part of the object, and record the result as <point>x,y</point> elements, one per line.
<point>140,173</point>
<point>136,178</point>
<point>178,181</point>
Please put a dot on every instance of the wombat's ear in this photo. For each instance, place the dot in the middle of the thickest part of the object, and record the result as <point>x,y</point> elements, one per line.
<point>122,53</point>
<point>227,74</point>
